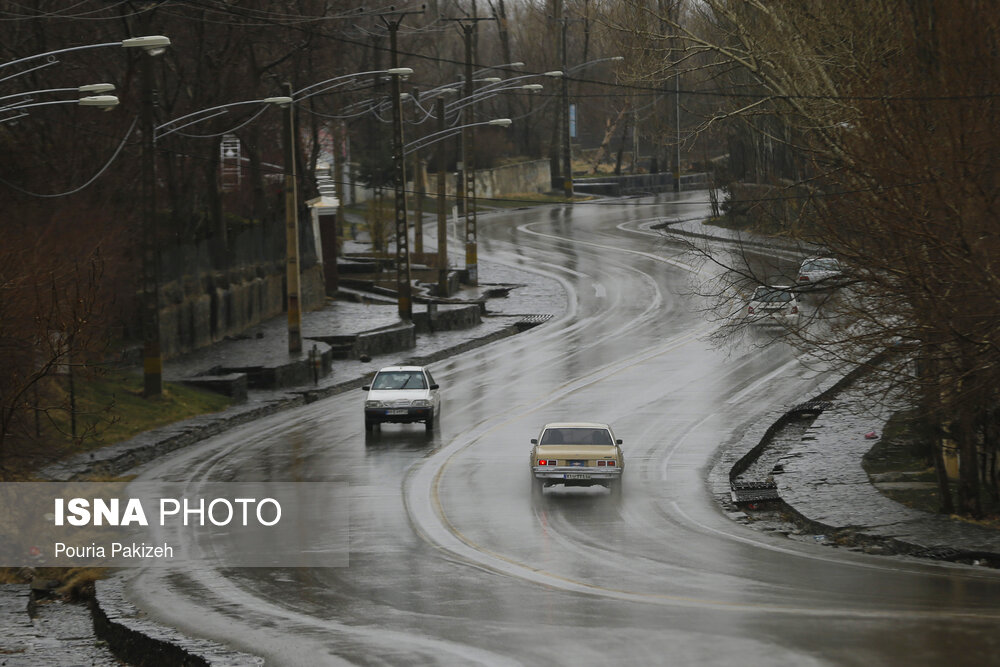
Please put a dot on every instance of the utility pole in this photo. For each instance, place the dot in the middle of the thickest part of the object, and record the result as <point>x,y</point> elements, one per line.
<point>564,137</point>
<point>292,287</point>
<point>468,164</point>
<point>677,127</point>
<point>404,289</point>
<point>469,152</point>
<point>418,196</point>
<point>567,156</point>
<point>152,360</point>
<point>442,212</point>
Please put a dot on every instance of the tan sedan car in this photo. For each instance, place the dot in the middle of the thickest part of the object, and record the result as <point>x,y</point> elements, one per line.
<point>576,454</point>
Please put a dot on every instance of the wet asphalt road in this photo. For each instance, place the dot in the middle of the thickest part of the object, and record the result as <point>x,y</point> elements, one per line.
<point>452,562</point>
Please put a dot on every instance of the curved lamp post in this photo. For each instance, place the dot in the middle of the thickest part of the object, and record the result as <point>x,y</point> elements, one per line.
<point>466,104</point>
<point>291,205</point>
<point>152,44</point>
<point>106,102</point>
<point>292,274</point>
<point>27,97</point>
<point>442,220</point>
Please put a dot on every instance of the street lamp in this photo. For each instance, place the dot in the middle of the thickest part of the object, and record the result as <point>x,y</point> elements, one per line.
<point>106,102</point>
<point>468,156</point>
<point>440,135</point>
<point>152,44</point>
<point>442,224</point>
<point>504,66</point>
<point>211,112</point>
<point>494,88</point>
<point>92,89</point>
<point>293,273</point>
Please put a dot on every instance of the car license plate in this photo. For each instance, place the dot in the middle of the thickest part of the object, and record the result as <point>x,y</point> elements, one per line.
<point>395,412</point>
<point>577,476</point>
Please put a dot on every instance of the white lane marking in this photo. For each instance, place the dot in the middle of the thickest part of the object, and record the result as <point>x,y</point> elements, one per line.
<point>767,378</point>
<point>656,258</point>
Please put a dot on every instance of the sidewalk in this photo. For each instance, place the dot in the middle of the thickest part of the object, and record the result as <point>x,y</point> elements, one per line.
<point>823,481</point>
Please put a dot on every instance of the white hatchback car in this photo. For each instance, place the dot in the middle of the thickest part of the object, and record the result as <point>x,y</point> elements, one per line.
<point>817,271</point>
<point>402,395</point>
<point>773,304</point>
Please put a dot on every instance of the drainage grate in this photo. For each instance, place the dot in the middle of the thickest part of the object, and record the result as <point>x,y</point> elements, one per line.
<point>528,321</point>
<point>810,408</point>
<point>752,492</point>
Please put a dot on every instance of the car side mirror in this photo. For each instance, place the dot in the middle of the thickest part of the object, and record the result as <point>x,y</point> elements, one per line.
<point>367,387</point>
<point>618,441</point>
<point>534,441</point>
<point>434,386</point>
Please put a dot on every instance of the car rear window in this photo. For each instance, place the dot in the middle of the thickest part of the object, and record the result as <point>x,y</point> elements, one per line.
<point>770,295</point>
<point>576,436</point>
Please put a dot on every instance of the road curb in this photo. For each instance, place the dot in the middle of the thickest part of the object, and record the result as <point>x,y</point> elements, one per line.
<point>142,642</point>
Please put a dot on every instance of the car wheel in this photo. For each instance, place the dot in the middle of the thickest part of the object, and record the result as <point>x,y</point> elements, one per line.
<point>429,423</point>
<point>537,487</point>
<point>369,425</point>
<point>615,487</point>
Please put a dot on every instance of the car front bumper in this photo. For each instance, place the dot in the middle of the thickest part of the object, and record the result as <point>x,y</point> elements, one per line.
<point>398,415</point>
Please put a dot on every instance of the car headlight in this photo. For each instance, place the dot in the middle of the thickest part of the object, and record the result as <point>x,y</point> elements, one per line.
<point>421,403</point>
<point>373,404</point>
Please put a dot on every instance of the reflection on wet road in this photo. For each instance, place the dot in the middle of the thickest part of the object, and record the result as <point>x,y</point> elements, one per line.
<point>453,562</point>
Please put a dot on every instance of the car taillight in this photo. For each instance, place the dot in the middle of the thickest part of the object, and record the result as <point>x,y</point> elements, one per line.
<point>795,310</point>
<point>611,464</point>
<point>750,310</point>
<point>606,463</point>
<point>803,279</point>
<point>546,462</point>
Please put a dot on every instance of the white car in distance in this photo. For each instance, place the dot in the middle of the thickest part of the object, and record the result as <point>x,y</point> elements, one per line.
<point>773,304</point>
<point>816,272</point>
<point>402,395</point>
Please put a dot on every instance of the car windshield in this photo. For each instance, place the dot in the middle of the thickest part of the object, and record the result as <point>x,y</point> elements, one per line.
<point>772,295</point>
<point>399,380</point>
<point>575,436</point>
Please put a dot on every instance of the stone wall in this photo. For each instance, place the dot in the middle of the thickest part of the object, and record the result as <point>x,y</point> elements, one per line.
<point>210,289</point>
<point>512,179</point>
<point>201,310</point>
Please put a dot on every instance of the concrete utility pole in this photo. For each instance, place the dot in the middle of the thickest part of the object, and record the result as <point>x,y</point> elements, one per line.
<point>468,164</point>
<point>292,287</point>
<point>152,360</point>
<point>404,289</point>
<point>442,211</point>
<point>564,119</point>
<point>567,155</point>
<point>418,195</point>
<point>469,152</point>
